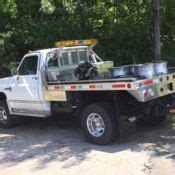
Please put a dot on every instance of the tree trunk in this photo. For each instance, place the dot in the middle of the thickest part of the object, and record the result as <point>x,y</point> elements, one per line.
<point>157,36</point>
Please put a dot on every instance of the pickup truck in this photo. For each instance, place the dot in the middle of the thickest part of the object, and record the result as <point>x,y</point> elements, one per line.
<point>44,84</point>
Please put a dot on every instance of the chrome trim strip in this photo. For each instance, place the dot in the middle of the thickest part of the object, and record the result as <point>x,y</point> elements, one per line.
<point>30,113</point>
<point>25,101</point>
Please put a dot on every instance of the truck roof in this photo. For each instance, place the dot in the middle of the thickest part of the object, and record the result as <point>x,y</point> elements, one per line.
<point>45,51</point>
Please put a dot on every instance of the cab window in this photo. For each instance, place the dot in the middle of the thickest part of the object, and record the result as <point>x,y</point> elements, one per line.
<point>74,56</point>
<point>53,60</point>
<point>83,56</point>
<point>64,60</point>
<point>91,58</point>
<point>29,66</point>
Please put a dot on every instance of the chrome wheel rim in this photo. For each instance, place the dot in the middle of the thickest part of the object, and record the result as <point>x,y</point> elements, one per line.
<point>95,125</point>
<point>3,115</point>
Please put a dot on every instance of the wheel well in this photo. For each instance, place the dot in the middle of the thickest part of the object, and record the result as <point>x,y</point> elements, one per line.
<point>2,96</point>
<point>123,100</point>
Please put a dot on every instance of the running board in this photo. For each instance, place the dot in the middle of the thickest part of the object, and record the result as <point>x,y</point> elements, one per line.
<point>23,112</point>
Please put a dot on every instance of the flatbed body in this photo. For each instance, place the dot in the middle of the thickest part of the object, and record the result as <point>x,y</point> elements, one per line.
<point>142,89</point>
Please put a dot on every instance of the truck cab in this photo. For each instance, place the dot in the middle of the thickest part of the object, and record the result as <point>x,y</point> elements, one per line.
<point>24,89</point>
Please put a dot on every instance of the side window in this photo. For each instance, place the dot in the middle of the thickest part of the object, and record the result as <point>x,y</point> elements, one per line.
<point>91,58</point>
<point>53,59</point>
<point>64,60</point>
<point>29,66</point>
<point>83,56</point>
<point>74,58</point>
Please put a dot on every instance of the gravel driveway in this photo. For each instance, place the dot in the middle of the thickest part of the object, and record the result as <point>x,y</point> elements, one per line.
<point>57,147</point>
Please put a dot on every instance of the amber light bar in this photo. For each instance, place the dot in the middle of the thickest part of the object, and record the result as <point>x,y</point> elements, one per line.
<point>75,42</point>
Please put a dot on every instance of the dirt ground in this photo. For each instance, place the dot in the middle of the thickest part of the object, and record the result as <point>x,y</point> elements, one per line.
<point>57,147</point>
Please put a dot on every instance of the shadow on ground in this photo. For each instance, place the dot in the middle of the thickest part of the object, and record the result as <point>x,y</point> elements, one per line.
<point>60,139</point>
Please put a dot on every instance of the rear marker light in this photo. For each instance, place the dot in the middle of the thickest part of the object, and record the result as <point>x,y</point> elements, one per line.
<point>118,86</point>
<point>92,86</point>
<point>146,95</point>
<point>57,88</point>
<point>73,87</point>
<point>128,86</point>
<point>147,83</point>
<point>149,93</point>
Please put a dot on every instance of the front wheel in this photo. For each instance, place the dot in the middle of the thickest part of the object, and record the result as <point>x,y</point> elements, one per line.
<point>99,123</point>
<point>6,120</point>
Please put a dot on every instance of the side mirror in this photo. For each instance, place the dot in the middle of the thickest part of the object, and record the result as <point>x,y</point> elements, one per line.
<point>14,71</point>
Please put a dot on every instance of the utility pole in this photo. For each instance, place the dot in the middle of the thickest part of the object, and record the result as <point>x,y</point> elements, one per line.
<point>157,37</point>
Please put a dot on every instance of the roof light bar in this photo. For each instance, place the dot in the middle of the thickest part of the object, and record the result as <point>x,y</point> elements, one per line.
<point>76,42</point>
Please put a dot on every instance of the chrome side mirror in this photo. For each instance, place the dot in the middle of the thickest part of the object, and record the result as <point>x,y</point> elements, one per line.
<point>14,71</point>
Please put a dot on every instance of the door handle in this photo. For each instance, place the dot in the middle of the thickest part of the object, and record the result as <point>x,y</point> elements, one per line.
<point>8,89</point>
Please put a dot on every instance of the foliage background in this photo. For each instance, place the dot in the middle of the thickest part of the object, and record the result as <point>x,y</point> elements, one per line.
<point>124,28</point>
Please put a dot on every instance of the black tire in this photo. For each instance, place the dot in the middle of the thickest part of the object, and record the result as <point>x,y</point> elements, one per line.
<point>110,120</point>
<point>10,120</point>
<point>156,116</point>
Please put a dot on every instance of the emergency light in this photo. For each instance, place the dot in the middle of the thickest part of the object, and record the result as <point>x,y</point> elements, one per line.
<point>76,42</point>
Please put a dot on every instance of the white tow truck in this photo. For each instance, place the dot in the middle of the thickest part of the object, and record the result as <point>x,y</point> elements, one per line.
<point>45,84</point>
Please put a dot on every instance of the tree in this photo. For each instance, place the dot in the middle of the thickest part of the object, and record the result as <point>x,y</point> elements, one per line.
<point>124,28</point>
<point>157,29</point>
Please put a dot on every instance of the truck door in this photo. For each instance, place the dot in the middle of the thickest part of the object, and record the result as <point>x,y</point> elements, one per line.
<point>25,91</point>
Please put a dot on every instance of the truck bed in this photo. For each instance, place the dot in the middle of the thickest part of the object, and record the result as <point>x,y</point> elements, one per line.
<point>125,79</point>
<point>143,89</point>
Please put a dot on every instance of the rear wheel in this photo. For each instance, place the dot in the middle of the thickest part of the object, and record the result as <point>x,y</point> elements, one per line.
<point>6,120</point>
<point>99,123</point>
<point>156,115</point>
